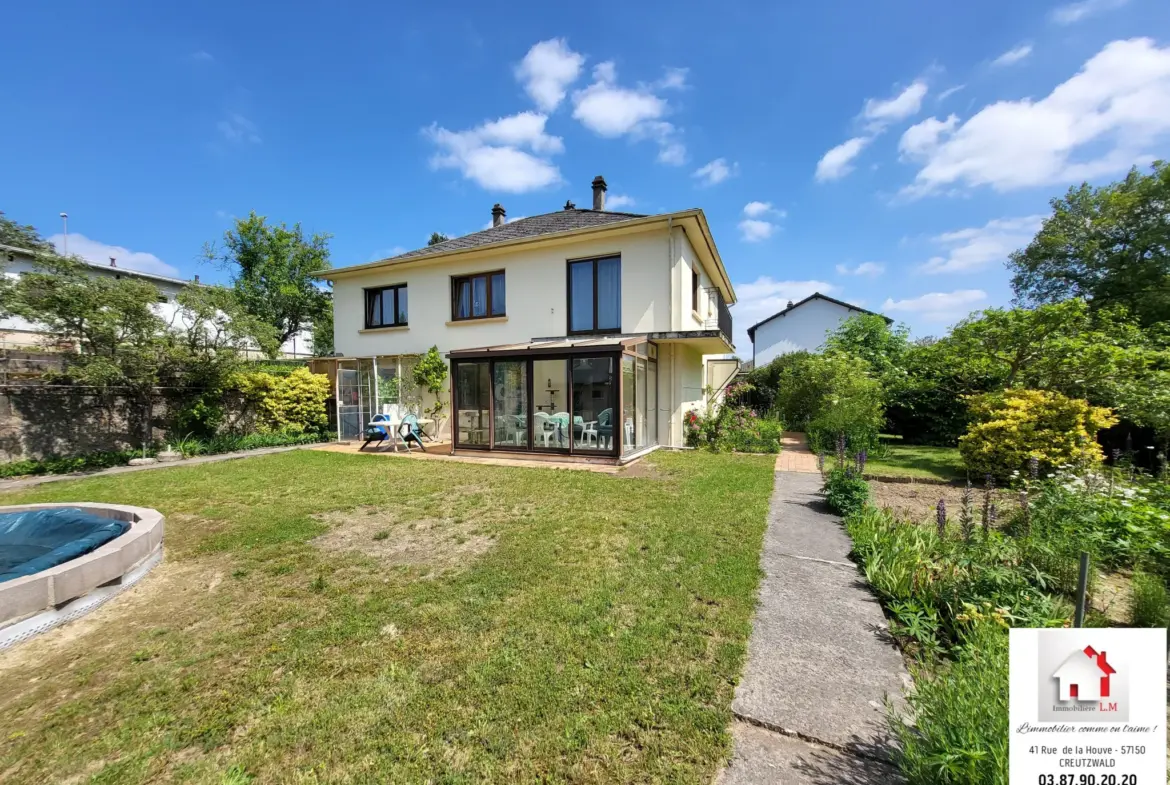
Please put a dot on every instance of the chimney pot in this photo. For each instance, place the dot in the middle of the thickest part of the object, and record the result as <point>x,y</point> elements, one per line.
<point>498,214</point>
<point>790,303</point>
<point>569,205</point>
<point>599,189</point>
<point>197,279</point>
<point>113,262</point>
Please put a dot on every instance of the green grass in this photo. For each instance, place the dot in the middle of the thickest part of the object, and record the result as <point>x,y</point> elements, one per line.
<point>915,460</point>
<point>551,626</point>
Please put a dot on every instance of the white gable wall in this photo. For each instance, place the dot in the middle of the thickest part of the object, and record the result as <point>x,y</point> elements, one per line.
<point>803,328</point>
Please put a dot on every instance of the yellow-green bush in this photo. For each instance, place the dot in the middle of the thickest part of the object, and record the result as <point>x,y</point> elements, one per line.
<point>288,404</point>
<point>1013,426</point>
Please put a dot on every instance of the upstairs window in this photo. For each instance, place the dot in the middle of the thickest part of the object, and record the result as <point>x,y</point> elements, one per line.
<point>595,295</point>
<point>695,289</point>
<point>386,307</point>
<point>479,296</point>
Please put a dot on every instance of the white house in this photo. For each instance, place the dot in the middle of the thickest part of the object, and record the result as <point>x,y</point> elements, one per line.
<point>801,326</point>
<point>1084,676</point>
<point>580,332</point>
<point>17,333</point>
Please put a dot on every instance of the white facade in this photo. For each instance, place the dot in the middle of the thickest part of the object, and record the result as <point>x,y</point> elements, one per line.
<point>803,328</point>
<point>658,265</point>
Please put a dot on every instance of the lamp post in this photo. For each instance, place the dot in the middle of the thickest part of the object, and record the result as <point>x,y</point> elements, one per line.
<point>65,234</point>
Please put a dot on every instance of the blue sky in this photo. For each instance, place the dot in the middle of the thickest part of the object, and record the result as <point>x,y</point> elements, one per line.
<point>890,154</point>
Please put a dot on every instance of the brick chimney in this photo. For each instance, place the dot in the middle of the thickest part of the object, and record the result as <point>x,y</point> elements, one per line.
<point>599,189</point>
<point>497,215</point>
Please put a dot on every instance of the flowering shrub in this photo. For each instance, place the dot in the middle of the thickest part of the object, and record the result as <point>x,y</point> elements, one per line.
<point>1013,426</point>
<point>735,428</point>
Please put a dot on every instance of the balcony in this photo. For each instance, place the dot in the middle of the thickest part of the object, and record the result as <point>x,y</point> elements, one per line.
<point>719,315</point>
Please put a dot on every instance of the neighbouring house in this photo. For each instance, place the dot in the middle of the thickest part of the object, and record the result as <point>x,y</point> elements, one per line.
<point>580,332</point>
<point>17,333</point>
<point>1084,676</point>
<point>801,326</point>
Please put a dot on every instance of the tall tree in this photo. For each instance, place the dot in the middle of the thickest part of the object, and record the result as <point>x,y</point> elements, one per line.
<point>1109,245</point>
<point>273,267</point>
<point>22,236</point>
<point>436,238</point>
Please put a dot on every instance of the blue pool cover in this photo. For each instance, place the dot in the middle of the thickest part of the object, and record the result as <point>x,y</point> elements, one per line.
<point>39,539</point>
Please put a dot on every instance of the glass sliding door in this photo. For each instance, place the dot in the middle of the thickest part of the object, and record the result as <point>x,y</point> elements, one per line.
<point>510,385</point>
<point>552,423</point>
<point>652,403</point>
<point>594,402</point>
<point>640,410</point>
<point>472,404</point>
<point>628,404</point>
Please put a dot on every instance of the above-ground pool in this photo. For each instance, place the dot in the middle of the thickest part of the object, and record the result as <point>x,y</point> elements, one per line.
<point>58,561</point>
<point>39,539</point>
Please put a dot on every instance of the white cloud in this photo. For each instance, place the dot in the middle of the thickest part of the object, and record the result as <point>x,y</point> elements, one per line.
<point>755,227</point>
<point>939,306</point>
<point>1013,56</point>
<point>100,253</point>
<point>905,104</point>
<point>752,230</point>
<point>920,140</point>
<point>1075,12</point>
<point>547,71</point>
<point>763,297</point>
<point>1111,112</point>
<point>867,269</point>
<point>239,129</point>
<point>614,201</point>
<point>612,111</point>
<point>945,94</point>
<point>490,154</point>
<point>971,250</point>
<point>488,225</point>
<point>716,171</point>
<point>203,57</point>
<point>837,163</point>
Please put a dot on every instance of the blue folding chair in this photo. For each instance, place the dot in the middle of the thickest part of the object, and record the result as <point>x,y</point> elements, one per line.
<point>377,433</point>
<point>410,431</point>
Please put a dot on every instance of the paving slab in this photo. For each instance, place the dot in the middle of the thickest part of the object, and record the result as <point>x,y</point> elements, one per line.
<point>820,662</point>
<point>764,756</point>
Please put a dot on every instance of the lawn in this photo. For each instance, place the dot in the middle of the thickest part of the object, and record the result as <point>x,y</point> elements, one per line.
<point>896,459</point>
<point>326,617</point>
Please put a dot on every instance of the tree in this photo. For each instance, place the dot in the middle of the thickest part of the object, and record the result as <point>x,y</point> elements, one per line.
<point>21,236</point>
<point>436,238</point>
<point>1109,245</point>
<point>273,267</point>
<point>323,331</point>
<point>871,338</point>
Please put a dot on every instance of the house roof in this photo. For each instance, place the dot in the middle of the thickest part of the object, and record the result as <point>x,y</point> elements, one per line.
<point>533,226</point>
<point>751,331</point>
<point>566,224</point>
<point>103,267</point>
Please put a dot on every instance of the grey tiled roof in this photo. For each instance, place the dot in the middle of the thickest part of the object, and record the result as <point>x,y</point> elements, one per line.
<point>549,223</point>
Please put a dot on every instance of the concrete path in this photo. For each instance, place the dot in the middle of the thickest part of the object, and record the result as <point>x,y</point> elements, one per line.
<point>795,456</point>
<point>809,708</point>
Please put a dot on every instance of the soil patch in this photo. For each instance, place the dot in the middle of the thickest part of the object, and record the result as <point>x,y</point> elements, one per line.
<point>642,470</point>
<point>918,501</point>
<point>442,543</point>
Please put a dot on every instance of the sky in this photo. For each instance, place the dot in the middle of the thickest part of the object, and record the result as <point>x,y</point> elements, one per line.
<point>890,154</point>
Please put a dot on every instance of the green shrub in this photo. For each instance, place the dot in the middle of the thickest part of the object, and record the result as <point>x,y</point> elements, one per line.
<point>1014,425</point>
<point>225,443</point>
<point>61,465</point>
<point>733,428</point>
<point>846,492</point>
<point>294,403</point>
<point>959,712</point>
<point>1150,606</point>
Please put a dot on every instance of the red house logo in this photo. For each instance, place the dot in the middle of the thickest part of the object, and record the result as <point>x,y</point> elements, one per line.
<point>1084,676</point>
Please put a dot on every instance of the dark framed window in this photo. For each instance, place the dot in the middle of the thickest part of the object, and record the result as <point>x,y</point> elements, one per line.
<point>695,289</point>
<point>386,306</point>
<point>479,296</point>
<point>595,295</point>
